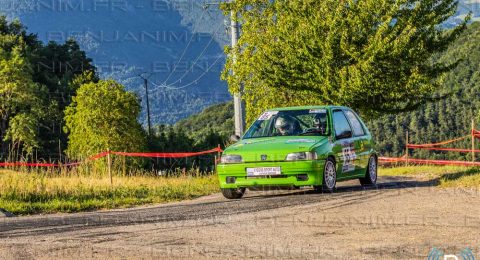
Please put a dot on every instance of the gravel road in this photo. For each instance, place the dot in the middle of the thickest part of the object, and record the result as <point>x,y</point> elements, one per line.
<point>400,218</point>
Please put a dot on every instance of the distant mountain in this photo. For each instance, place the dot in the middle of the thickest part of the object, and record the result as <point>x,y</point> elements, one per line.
<point>464,8</point>
<point>176,40</point>
<point>127,37</point>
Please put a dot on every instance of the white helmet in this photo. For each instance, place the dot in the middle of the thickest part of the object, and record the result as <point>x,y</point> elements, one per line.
<point>284,125</point>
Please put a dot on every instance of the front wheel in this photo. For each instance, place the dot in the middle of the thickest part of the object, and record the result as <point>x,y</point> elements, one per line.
<point>329,177</point>
<point>233,193</point>
<point>371,173</point>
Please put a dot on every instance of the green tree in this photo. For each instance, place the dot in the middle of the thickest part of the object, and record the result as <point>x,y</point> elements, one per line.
<point>19,95</point>
<point>62,68</point>
<point>22,132</point>
<point>373,55</point>
<point>103,115</point>
<point>37,80</point>
<point>443,120</point>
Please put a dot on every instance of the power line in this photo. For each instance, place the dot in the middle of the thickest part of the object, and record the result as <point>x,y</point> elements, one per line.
<point>169,87</point>
<point>196,60</point>
<point>184,50</point>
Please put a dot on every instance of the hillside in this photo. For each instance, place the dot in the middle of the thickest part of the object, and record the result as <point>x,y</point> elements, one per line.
<point>217,119</point>
<point>126,38</point>
<point>443,120</point>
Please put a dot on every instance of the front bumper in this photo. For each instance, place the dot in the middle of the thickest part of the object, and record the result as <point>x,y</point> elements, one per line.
<point>297,173</point>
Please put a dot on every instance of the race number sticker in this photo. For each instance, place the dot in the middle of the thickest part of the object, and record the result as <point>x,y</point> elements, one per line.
<point>348,156</point>
<point>267,115</point>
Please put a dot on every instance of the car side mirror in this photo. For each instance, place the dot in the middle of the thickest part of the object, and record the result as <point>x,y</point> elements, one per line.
<point>234,138</point>
<point>345,134</point>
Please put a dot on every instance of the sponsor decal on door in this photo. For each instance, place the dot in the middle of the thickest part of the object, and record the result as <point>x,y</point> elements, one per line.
<point>348,156</point>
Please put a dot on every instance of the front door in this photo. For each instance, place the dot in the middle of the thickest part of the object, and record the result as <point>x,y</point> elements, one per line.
<point>361,141</point>
<point>344,146</point>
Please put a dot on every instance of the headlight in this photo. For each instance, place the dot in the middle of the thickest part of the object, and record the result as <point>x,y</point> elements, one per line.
<point>301,156</point>
<point>231,158</point>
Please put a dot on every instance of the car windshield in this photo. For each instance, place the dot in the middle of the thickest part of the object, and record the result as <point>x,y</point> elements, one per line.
<point>290,123</point>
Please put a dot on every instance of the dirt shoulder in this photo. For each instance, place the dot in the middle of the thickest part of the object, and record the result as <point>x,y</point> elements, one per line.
<point>403,218</point>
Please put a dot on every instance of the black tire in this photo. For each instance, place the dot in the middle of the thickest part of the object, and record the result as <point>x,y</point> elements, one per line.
<point>371,174</point>
<point>233,194</point>
<point>329,177</point>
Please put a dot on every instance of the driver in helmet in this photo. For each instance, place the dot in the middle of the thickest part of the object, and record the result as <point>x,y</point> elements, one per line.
<point>320,123</point>
<point>285,125</point>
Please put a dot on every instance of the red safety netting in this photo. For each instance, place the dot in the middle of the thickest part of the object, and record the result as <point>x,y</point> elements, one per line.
<point>443,149</point>
<point>424,161</point>
<point>436,144</point>
<point>168,155</point>
<point>103,154</point>
<point>435,147</point>
<point>476,133</point>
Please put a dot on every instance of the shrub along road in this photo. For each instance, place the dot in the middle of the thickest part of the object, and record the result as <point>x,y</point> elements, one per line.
<point>401,218</point>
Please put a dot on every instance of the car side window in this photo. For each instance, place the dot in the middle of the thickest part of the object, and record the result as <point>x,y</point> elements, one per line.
<point>341,125</point>
<point>355,122</point>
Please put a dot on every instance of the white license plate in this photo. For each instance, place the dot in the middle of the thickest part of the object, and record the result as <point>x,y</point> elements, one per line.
<point>262,171</point>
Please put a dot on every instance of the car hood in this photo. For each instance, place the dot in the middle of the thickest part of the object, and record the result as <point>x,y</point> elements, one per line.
<point>275,148</point>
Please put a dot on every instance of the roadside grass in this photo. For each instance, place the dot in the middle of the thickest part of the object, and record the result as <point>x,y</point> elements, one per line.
<point>447,176</point>
<point>23,193</point>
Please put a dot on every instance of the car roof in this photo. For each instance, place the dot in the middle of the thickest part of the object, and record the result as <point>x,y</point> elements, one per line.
<point>306,107</point>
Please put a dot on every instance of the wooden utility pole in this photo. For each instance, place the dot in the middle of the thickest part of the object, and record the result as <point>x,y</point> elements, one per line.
<point>145,84</point>
<point>473,140</point>
<point>109,162</point>
<point>124,166</point>
<point>406,149</point>
<point>59,151</point>
<point>238,106</point>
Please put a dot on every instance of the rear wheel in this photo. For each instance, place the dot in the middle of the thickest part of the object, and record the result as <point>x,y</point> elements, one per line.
<point>371,173</point>
<point>329,177</point>
<point>233,193</point>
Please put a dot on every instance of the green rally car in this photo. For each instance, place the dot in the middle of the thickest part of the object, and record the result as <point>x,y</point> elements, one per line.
<point>299,146</point>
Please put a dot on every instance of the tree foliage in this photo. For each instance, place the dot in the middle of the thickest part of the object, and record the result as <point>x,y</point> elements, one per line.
<point>19,96</point>
<point>36,83</point>
<point>374,55</point>
<point>211,127</point>
<point>203,131</point>
<point>56,66</point>
<point>23,132</point>
<point>443,120</point>
<point>103,116</point>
